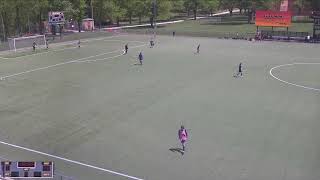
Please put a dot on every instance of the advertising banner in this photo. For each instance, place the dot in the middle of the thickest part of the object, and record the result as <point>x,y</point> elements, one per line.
<point>273,18</point>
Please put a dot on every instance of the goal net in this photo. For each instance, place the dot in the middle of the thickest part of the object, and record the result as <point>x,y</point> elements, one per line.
<point>26,42</point>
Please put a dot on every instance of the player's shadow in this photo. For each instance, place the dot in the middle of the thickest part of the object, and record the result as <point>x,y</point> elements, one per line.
<point>137,64</point>
<point>178,150</point>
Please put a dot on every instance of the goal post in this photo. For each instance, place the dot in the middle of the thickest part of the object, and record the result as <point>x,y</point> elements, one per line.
<point>26,42</point>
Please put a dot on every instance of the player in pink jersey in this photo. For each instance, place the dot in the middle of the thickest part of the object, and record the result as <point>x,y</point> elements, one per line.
<point>183,137</point>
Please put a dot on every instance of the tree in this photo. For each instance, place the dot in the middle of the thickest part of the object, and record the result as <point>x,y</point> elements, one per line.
<point>119,11</point>
<point>315,4</point>
<point>244,5</point>
<point>130,9</point>
<point>211,5</point>
<point>40,7</point>
<point>301,4</point>
<point>229,4</point>
<point>177,5</point>
<point>142,9</point>
<point>6,16</point>
<point>100,9</point>
<point>195,5</point>
<point>78,10</point>
<point>164,9</point>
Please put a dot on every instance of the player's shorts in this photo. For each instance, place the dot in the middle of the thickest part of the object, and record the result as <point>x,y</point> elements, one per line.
<point>183,141</point>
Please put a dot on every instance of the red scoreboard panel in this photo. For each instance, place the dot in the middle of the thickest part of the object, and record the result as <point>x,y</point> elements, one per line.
<point>27,169</point>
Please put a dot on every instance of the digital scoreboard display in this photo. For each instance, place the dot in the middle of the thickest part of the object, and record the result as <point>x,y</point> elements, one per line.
<point>24,164</point>
<point>26,169</point>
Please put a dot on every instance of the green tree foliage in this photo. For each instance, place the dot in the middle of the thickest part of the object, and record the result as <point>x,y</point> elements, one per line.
<point>195,5</point>
<point>142,9</point>
<point>7,18</point>
<point>40,9</point>
<point>229,5</point>
<point>18,17</point>
<point>130,7</point>
<point>164,9</point>
<point>301,4</point>
<point>211,6</point>
<point>78,11</point>
<point>177,5</point>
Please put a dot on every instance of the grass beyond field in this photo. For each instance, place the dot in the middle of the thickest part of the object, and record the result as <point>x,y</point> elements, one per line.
<point>96,106</point>
<point>209,28</point>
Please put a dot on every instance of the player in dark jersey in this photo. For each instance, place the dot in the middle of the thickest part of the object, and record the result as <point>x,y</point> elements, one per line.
<point>79,42</point>
<point>140,57</point>
<point>240,70</point>
<point>198,49</point>
<point>34,44</point>
<point>126,49</point>
<point>47,44</point>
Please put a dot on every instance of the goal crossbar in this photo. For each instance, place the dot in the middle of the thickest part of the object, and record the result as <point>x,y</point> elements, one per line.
<point>23,42</point>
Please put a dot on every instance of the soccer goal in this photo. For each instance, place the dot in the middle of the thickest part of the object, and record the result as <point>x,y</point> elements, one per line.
<point>26,42</point>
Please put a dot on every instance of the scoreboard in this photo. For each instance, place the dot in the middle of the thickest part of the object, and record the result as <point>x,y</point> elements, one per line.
<point>56,17</point>
<point>27,169</point>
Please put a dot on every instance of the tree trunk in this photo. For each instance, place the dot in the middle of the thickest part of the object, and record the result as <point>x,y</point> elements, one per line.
<point>231,11</point>
<point>241,10</point>
<point>40,23</point>
<point>195,14</point>
<point>188,12</point>
<point>3,27</point>
<point>79,26</point>
<point>151,22</point>
<point>140,19</point>
<point>18,28</point>
<point>130,18</point>
<point>60,31</point>
<point>29,28</point>
<point>118,21</point>
<point>100,19</point>
<point>249,16</point>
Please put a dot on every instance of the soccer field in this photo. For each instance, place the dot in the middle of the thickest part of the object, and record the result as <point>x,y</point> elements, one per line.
<point>99,116</point>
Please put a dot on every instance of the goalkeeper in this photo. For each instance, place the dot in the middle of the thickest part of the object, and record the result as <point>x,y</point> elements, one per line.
<point>34,44</point>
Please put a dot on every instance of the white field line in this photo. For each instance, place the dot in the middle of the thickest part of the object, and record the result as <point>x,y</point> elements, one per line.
<point>96,60</point>
<point>63,63</point>
<point>57,50</point>
<point>69,42</point>
<point>293,84</point>
<point>62,44</point>
<point>116,40</point>
<point>33,70</point>
<point>70,161</point>
<point>4,58</point>
<point>217,14</point>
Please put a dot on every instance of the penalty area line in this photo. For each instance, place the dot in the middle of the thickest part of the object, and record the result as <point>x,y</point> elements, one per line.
<point>67,62</point>
<point>290,83</point>
<point>70,161</point>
